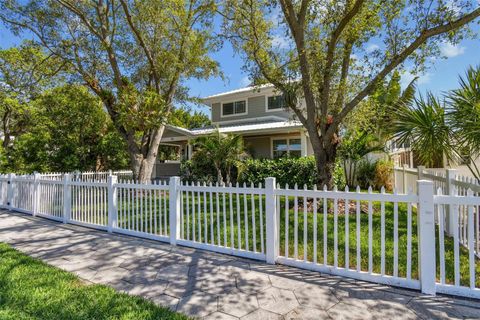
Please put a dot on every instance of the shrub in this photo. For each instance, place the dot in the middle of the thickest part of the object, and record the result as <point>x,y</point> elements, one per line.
<point>339,179</point>
<point>301,171</point>
<point>376,174</point>
<point>384,174</point>
<point>366,174</point>
<point>200,169</point>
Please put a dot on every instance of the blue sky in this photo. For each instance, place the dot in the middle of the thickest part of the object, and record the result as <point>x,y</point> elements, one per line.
<point>441,76</point>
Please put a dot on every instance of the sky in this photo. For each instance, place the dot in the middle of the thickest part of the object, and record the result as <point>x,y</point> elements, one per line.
<point>441,76</point>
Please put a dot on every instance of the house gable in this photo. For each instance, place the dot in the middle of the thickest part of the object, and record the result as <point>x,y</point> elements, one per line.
<point>251,104</point>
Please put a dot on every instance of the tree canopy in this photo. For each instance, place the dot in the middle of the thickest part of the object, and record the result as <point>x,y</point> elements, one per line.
<point>68,131</point>
<point>134,55</point>
<point>332,54</point>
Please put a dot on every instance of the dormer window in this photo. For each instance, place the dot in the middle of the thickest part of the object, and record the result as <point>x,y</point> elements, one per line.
<point>234,108</point>
<point>276,103</point>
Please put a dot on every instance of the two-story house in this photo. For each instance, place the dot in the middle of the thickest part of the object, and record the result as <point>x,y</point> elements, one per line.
<point>258,114</point>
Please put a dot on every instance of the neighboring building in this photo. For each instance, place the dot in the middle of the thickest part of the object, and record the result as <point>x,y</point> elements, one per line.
<point>402,155</point>
<point>258,114</point>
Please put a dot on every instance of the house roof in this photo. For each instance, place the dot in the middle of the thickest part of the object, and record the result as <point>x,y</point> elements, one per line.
<point>250,89</point>
<point>250,127</point>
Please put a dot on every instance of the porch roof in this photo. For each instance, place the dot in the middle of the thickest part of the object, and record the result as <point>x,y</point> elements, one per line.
<point>252,127</point>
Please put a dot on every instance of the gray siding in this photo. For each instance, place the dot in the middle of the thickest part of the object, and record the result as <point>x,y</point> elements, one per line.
<point>255,109</point>
<point>258,147</point>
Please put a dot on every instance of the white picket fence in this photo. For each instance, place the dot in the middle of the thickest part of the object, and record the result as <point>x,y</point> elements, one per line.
<point>93,176</point>
<point>445,183</point>
<point>378,237</point>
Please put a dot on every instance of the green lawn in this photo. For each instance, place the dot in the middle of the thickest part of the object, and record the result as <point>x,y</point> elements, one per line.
<point>30,289</point>
<point>234,227</point>
<point>223,228</point>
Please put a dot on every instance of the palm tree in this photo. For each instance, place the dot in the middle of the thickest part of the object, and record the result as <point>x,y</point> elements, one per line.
<point>224,150</point>
<point>424,126</point>
<point>354,148</point>
<point>463,117</point>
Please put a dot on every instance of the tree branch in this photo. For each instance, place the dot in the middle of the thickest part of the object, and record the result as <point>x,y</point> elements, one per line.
<point>327,75</point>
<point>397,60</point>
<point>142,43</point>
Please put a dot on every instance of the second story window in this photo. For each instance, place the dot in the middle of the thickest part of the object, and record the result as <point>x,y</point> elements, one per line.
<point>276,103</point>
<point>234,108</point>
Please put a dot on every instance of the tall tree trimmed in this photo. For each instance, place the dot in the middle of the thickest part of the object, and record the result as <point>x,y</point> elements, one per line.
<point>332,54</point>
<point>134,55</point>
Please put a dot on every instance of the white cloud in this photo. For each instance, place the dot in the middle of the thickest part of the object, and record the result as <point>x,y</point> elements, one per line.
<point>245,82</point>
<point>449,50</point>
<point>407,77</point>
<point>372,47</point>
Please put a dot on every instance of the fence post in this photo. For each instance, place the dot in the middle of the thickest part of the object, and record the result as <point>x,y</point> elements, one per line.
<point>404,178</point>
<point>426,236</point>
<point>420,172</point>
<point>112,203</point>
<point>67,197</point>
<point>272,245</point>
<point>174,205</point>
<point>36,193</point>
<point>450,190</point>
<point>11,176</point>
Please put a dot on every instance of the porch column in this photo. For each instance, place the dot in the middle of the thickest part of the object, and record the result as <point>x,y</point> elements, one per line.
<point>303,142</point>
<point>189,151</point>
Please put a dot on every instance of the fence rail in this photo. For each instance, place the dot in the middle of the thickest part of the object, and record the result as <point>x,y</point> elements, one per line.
<point>426,240</point>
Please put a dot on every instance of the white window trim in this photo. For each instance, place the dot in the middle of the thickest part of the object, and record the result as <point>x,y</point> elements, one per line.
<point>272,110</point>
<point>288,138</point>
<point>235,114</point>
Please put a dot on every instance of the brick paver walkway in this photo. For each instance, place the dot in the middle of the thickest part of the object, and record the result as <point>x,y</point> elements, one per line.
<point>214,286</point>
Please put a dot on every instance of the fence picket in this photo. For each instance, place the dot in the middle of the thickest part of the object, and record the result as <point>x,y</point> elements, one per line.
<point>359,260</point>
<point>315,225</point>
<point>287,220</point>
<point>335,230</point>
<point>305,226</point>
<point>382,234</point>
<point>370,234</point>
<point>295,225</point>
<point>347,230</point>
<point>224,195</point>
<point>254,229</point>
<point>325,220</point>
<point>395,236</point>
<point>471,253</point>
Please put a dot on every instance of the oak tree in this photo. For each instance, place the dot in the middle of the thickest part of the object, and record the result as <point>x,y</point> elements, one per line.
<point>332,54</point>
<point>134,55</point>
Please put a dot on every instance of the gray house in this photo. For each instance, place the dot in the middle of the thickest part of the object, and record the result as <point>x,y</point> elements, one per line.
<point>258,114</point>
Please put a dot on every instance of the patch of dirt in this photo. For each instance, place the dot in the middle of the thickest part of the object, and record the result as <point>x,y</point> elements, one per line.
<point>340,205</point>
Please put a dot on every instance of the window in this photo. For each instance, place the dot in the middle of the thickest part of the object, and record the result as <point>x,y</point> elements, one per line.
<point>276,103</point>
<point>233,108</point>
<point>295,148</point>
<point>286,147</point>
<point>280,148</point>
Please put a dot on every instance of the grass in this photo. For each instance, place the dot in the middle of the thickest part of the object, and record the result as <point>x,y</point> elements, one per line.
<point>30,289</point>
<point>223,233</point>
<point>234,227</point>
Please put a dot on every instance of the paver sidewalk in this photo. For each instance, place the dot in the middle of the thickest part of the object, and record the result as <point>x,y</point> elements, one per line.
<point>213,286</point>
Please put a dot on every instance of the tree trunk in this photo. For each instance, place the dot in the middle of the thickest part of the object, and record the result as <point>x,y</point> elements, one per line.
<point>219,175</point>
<point>325,151</point>
<point>142,163</point>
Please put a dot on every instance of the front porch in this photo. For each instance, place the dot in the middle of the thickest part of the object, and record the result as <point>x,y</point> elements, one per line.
<point>262,140</point>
